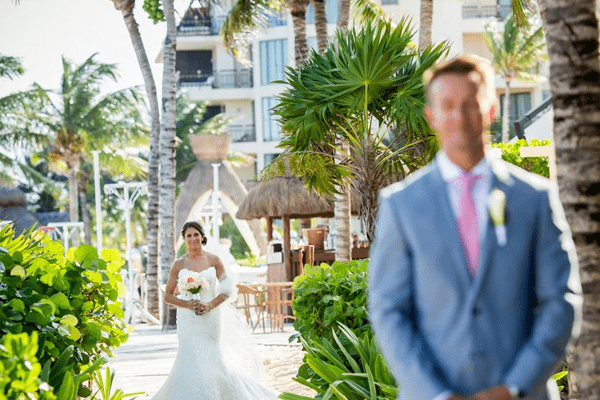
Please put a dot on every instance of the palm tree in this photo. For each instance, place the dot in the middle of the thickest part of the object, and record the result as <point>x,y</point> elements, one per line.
<point>357,91</point>
<point>10,67</point>
<point>516,55</point>
<point>126,8</point>
<point>425,24</point>
<point>78,118</point>
<point>572,36</point>
<point>167,148</point>
<point>248,15</point>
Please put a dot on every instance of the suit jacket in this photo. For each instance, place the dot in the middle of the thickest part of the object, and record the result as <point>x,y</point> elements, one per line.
<point>442,329</point>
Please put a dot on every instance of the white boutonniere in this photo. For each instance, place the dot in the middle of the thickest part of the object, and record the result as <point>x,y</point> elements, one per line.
<point>497,207</point>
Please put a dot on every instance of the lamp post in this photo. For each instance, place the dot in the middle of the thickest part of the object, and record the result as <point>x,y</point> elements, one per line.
<point>127,197</point>
<point>97,196</point>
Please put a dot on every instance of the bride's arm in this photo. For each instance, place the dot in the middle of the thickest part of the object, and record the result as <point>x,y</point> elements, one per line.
<point>224,283</point>
<point>172,285</point>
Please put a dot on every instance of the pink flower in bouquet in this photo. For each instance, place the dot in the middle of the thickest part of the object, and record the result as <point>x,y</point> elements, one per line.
<point>192,283</point>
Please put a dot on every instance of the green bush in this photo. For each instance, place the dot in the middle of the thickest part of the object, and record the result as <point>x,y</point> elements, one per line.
<point>71,302</point>
<point>340,374</point>
<point>326,295</point>
<point>511,152</point>
<point>20,369</point>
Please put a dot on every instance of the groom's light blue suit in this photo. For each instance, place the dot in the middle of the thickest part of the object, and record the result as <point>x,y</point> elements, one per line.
<point>443,330</point>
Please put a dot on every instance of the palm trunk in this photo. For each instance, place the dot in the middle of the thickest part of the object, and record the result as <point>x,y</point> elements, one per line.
<point>506,111</point>
<point>167,151</point>
<point>343,14</point>
<point>298,11</point>
<point>341,212</point>
<point>85,211</point>
<point>73,203</point>
<point>321,25</point>
<point>572,36</point>
<point>425,25</point>
<point>126,8</point>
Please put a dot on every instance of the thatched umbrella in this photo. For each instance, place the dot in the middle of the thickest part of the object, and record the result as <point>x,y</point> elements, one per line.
<point>285,198</point>
<point>13,207</point>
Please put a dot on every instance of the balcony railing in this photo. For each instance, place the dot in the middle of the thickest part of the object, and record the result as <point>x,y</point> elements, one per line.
<point>200,26</point>
<point>224,79</point>
<point>242,133</point>
<point>477,10</point>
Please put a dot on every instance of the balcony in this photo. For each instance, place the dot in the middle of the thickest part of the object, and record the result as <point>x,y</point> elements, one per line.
<point>224,79</point>
<point>242,133</point>
<point>477,10</point>
<point>200,25</point>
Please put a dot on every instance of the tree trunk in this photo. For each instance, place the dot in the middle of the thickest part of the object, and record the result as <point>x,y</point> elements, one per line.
<point>73,203</point>
<point>85,211</point>
<point>341,212</point>
<point>572,35</point>
<point>126,8</point>
<point>321,25</point>
<point>167,151</point>
<point>506,112</point>
<point>298,11</point>
<point>425,24</point>
<point>343,14</point>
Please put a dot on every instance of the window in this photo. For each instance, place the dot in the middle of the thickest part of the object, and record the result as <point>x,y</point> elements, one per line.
<point>520,104</point>
<point>269,158</point>
<point>273,59</point>
<point>271,127</point>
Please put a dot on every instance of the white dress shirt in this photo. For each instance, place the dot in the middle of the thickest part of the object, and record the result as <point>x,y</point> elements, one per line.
<point>450,172</point>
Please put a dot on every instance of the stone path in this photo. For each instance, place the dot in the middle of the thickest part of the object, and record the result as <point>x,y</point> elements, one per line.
<point>143,363</point>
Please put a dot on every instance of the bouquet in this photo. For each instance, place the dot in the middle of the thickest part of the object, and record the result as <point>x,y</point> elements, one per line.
<point>192,282</point>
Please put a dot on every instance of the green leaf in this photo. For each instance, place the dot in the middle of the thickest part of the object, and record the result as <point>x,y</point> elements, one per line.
<point>18,271</point>
<point>60,300</point>
<point>69,320</point>
<point>17,305</point>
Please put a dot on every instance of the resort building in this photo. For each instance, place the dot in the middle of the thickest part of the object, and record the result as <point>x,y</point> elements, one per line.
<point>245,93</point>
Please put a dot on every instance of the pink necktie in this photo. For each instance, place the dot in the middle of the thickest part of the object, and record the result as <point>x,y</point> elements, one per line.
<point>467,221</point>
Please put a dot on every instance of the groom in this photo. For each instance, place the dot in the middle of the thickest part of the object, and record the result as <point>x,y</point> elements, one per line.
<point>474,289</point>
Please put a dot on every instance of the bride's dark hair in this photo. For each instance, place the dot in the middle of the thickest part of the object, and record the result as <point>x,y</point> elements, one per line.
<point>196,226</point>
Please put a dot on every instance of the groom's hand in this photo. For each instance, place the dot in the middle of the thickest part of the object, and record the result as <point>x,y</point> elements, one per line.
<point>493,393</point>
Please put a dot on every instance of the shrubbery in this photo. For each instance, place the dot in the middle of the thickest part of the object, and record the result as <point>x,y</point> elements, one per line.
<point>326,295</point>
<point>70,303</point>
<point>511,152</point>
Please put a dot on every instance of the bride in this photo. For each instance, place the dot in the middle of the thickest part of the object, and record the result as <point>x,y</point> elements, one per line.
<point>205,366</point>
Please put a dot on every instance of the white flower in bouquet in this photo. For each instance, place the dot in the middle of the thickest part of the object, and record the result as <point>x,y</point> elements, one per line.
<point>192,283</point>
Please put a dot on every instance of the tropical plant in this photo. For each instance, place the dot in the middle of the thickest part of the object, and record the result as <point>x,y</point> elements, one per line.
<point>72,303</point>
<point>358,91</point>
<point>349,366</point>
<point>516,54</point>
<point>126,8</point>
<point>105,387</point>
<point>327,295</point>
<point>20,368</point>
<point>572,31</point>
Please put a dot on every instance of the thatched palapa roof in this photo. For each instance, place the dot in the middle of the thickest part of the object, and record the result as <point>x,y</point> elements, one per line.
<point>283,196</point>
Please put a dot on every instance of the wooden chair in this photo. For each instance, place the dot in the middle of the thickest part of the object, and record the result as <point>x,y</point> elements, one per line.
<point>252,299</point>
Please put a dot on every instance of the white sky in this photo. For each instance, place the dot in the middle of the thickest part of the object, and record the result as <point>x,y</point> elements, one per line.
<point>39,32</point>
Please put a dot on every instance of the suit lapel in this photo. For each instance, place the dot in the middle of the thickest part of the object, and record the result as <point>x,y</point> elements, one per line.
<point>502,180</point>
<point>449,224</point>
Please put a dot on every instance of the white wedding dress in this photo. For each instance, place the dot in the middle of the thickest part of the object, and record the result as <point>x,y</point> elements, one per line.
<point>201,370</point>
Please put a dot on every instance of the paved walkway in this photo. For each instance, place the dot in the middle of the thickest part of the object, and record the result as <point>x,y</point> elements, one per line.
<point>143,363</point>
